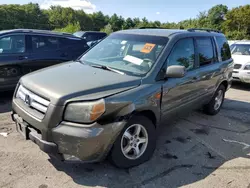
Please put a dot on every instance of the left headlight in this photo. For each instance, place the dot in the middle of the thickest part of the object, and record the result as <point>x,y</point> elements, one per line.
<point>247,67</point>
<point>84,112</point>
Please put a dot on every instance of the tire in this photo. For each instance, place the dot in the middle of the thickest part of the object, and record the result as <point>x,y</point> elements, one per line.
<point>213,108</point>
<point>118,155</point>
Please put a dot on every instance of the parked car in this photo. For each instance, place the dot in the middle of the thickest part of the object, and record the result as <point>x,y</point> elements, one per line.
<point>241,56</point>
<point>113,99</point>
<point>23,51</point>
<point>92,37</point>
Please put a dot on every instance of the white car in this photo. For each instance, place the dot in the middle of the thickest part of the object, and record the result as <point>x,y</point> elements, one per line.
<point>241,56</point>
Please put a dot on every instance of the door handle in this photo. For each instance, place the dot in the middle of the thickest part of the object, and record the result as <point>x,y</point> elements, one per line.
<point>22,57</point>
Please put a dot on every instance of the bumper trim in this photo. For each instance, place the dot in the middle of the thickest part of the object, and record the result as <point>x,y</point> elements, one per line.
<point>48,147</point>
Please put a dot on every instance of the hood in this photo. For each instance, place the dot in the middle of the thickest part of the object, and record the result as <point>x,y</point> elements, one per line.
<point>75,81</point>
<point>241,59</point>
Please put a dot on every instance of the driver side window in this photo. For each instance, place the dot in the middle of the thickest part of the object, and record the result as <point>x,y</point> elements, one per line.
<point>182,54</point>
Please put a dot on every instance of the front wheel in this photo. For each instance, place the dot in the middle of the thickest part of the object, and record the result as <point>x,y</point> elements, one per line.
<point>135,144</point>
<point>214,106</point>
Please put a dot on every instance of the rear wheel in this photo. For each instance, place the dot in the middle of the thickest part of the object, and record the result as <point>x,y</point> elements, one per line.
<point>135,144</point>
<point>214,106</point>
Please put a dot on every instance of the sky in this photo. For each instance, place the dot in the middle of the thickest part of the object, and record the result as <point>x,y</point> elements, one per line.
<point>162,10</point>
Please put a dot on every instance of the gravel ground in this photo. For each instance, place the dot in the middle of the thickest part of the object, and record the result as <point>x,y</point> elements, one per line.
<point>195,150</point>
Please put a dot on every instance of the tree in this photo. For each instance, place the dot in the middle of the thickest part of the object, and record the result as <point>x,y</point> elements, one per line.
<point>116,22</point>
<point>71,28</point>
<point>137,22</point>
<point>107,29</point>
<point>85,20</point>
<point>99,20</point>
<point>237,22</point>
<point>128,24</point>
<point>216,16</point>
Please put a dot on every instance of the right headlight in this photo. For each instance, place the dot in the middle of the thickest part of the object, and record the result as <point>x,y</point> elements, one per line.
<point>84,112</point>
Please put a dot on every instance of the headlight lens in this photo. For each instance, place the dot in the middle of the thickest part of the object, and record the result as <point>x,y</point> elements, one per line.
<point>84,112</point>
<point>247,67</point>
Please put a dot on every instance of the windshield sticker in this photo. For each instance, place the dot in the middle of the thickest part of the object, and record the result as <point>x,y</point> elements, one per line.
<point>147,48</point>
<point>133,59</point>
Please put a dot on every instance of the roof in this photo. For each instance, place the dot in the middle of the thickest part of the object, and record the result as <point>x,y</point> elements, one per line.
<point>37,32</point>
<point>167,32</point>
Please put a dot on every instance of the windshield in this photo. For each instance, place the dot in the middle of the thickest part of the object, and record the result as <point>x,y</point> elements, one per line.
<point>241,49</point>
<point>131,54</point>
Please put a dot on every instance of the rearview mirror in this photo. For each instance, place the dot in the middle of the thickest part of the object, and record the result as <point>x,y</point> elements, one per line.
<point>175,71</point>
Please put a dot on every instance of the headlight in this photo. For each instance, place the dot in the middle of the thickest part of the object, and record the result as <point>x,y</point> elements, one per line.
<point>247,67</point>
<point>84,112</point>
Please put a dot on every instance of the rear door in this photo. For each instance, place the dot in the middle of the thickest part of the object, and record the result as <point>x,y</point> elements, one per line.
<point>45,52</point>
<point>72,48</point>
<point>180,93</point>
<point>209,67</point>
<point>13,54</point>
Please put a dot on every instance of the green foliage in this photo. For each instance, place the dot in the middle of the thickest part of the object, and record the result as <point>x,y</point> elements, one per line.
<point>70,28</point>
<point>107,29</point>
<point>235,23</point>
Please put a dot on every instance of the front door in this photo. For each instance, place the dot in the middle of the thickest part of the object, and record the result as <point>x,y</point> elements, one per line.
<point>13,54</point>
<point>44,52</point>
<point>180,93</point>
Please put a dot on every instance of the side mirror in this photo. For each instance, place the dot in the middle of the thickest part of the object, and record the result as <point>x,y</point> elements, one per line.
<point>175,71</point>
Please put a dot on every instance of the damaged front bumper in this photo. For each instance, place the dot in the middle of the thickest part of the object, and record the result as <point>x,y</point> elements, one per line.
<point>71,141</point>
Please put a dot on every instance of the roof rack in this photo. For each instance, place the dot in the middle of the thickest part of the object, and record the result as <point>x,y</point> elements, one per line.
<point>151,28</point>
<point>42,31</point>
<point>207,30</point>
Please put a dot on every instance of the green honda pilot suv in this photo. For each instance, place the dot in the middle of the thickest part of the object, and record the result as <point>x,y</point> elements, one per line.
<point>110,102</point>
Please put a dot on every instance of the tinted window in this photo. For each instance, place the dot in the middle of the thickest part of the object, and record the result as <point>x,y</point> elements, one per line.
<point>44,43</point>
<point>182,54</point>
<point>224,48</point>
<point>205,51</point>
<point>70,41</point>
<point>93,36</point>
<point>12,44</point>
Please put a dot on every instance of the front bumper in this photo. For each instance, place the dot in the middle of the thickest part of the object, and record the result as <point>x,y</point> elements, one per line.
<point>241,75</point>
<point>72,141</point>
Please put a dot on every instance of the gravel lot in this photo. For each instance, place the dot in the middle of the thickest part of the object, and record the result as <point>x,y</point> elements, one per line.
<point>195,150</point>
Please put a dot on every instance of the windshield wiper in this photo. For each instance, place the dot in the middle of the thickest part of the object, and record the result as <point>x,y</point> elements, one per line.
<point>107,68</point>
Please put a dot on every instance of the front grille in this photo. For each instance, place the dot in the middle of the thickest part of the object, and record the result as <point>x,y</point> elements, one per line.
<point>237,66</point>
<point>32,100</point>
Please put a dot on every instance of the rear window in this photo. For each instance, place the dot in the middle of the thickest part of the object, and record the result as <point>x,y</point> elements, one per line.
<point>224,48</point>
<point>205,51</point>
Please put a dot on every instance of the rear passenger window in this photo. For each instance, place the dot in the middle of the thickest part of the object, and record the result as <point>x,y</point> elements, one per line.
<point>205,51</point>
<point>44,43</point>
<point>224,48</point>
<point>182,54</point>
